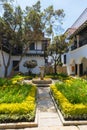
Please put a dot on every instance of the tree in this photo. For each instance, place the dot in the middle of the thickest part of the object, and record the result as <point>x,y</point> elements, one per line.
<point>19,30</point>
<point>10,25</point>
<point>30,65</point>
<point>20,27</point>
<point>52,20</point>
<point>56,49</point>
<point>6,0</point>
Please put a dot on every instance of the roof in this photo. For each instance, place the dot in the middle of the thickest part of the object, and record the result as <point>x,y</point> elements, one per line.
<point>81,19</point>
<point>84,25</point>
<point>78,25</point>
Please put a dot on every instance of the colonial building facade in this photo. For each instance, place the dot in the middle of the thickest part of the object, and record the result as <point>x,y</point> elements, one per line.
<point>36,51</point>
<point>76,58</point>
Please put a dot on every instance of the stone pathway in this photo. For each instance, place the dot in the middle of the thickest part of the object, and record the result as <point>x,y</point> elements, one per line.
<point>47,113</point>
<point>48,117</point>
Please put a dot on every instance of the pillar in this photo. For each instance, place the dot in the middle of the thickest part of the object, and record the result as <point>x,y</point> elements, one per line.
<point>77,40</point>
<point>78,69</point>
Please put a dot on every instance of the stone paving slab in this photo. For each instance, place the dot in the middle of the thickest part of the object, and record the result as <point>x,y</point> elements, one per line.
<point>49,122</point>
<point>50,128</point>
<point>55,128</point>
<point>46,105</point>
<point>49,119</point>
<point>47,112</point>
<point>82,127</point>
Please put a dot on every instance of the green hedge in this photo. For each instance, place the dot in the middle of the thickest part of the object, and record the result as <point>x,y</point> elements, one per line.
<point>19,111</point>
<point>69,110</point>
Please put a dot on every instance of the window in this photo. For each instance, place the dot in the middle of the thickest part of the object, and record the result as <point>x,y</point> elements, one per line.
<point>15,63</point>
<point>32,46</point>
<point>64,59</point>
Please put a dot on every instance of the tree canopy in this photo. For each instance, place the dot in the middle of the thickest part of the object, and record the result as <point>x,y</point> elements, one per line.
<point>20,27</point>
<point>56,49</point>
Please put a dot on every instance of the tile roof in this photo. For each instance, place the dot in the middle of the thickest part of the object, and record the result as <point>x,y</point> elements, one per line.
<point>79,24</point>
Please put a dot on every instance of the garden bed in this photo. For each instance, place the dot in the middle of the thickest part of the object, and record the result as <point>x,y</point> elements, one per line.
<point>17,101</point>
<point>71,99</point>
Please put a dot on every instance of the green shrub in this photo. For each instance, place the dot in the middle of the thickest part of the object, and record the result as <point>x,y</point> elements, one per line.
<point>2,81</point>
<point>75,90</point>
<point>14,93</point>
<point>60,76</point>
<point>69,110</point>
<point>17,101</point>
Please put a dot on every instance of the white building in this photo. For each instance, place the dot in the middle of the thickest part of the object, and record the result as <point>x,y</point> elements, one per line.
<point>36,51</point>
<point>76,58</point>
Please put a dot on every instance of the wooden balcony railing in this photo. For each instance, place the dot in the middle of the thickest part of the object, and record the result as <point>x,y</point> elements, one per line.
<point>81,43</point>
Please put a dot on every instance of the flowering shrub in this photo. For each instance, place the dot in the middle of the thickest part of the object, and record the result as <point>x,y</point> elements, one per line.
<point>69,110</point>
<point>17,102</point>
<point>75,90</point>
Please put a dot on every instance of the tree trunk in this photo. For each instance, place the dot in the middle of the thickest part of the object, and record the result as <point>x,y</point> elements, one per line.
<point>6,71</point>
<point>6,65</point>
<point>21,56</point>
<point>55,68</point>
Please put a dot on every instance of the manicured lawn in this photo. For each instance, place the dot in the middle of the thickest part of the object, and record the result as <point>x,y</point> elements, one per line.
<point>17,100</point>
<point>71,98</point>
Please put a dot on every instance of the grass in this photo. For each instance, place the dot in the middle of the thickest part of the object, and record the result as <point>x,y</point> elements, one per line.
<point>14,93</point>
<point>17,100</point>
<point>60,76</point>
<point>75,90</point>
<point>71,98</point>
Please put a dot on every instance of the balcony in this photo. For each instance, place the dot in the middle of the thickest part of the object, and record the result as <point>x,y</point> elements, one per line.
<point>35,52</point>
<point>17,51</point>
<point>73,47</point>
<point>81,43</point>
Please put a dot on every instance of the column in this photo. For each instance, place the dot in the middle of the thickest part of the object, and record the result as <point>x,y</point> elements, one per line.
<point>77,40</point>
<point>78,69</point>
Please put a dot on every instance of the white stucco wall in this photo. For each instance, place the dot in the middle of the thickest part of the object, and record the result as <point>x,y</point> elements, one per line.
<point>78,54</point>
<point>36,70</point>
<point>67,62</point>
<point>75,57</point>
<point>2,69</point>
<point>84,61</point>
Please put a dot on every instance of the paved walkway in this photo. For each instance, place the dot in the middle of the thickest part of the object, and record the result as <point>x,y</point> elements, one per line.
<point>47,113</point>
<point>48,117</point>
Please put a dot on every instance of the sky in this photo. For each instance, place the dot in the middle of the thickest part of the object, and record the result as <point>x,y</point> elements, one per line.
<point>72,8</point>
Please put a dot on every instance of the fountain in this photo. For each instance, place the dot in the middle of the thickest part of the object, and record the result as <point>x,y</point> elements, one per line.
<point>42,82</point>
<point>42,72</point>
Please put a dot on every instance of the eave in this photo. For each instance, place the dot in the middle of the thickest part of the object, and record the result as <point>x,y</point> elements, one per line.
<point>84,25</point>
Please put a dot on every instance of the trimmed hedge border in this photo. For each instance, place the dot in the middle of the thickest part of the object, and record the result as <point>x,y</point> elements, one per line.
<point>66,123</point>
<point>20,124</point>
<point>68,111</point>
<point>24,106</point>
<point>20,112</point>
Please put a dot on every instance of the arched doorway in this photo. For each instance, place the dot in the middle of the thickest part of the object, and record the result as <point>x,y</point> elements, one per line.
<point>73,67</point>
<point>83,66</point>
